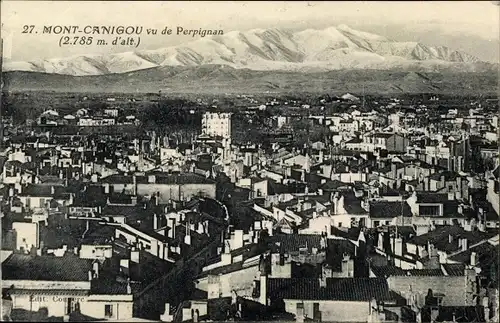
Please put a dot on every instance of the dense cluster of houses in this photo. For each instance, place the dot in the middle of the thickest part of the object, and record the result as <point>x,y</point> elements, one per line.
<point>387,220</point>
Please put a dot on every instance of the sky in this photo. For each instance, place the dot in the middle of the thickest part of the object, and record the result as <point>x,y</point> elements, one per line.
<point>472,26</point>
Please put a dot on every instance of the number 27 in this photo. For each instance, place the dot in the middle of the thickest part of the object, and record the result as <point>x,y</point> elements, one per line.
<point>28,29</point>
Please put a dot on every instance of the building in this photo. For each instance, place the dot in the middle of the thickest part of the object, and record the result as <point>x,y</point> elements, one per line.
<point>331,299</point>
<point>217,124</point>
<point>165,186</point>
<point>65,287</point>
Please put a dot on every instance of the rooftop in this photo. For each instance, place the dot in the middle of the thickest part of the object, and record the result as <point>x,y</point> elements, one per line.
<point>337,289</point>
<point>47,268</point>
<point>389,209</point>
<point>158,178</point>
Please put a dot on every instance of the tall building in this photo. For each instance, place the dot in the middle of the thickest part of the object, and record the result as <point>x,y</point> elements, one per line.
<point>216,124</point>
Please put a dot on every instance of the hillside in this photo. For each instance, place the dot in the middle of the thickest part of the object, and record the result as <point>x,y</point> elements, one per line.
<point>224,79</point>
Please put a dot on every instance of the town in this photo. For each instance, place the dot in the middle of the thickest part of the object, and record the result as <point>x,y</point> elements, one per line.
<point>344,207</point>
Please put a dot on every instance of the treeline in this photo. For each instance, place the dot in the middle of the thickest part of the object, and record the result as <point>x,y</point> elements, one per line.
<point>171,115</point>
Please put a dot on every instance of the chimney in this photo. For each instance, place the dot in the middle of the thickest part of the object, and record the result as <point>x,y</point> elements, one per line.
<point>443,182</point>
<point>33,251</point>
<point>134,256</point>
<point>226,258</point>
<point>300,313</point>
<point>238,239</point>
<point>155,221</point>
<point>450,238</point>
<point>174,224</point>
<point>187,237</point>
<point>398,246</point>
<point>464,244</point>
<point>263,289</point>
<point>129,288</point>
<point>394,170</point>
<point>486,305</point>
<point>52,190</point>
<point>95,266</point>
<point>90,275</point>
<point>473,259</point>
<point>322,281</point>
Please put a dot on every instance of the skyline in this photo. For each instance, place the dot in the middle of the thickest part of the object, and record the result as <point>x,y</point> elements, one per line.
<point>434,23</point>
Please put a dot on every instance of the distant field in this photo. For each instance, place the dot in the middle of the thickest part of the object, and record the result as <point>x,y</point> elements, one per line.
<point>218,79</point>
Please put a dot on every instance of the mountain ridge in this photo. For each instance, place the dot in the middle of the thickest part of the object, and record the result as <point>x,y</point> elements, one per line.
<point>225,79</point>
<point>309,50</point>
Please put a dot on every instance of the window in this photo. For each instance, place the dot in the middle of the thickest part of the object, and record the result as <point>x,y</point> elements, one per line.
<point>376,223</point>
<point>108,310</point>
<point>340,224</point>
<point>429,210</point>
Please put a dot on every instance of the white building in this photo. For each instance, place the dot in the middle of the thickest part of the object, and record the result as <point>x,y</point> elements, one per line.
<point>216,124</point>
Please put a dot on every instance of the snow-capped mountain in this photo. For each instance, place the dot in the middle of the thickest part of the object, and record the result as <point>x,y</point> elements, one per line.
<point>332,48</point>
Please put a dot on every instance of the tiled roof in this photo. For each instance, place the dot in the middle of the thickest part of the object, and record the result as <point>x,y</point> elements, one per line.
<point>383,135</point>
<point>389,209</point>
<point>160,178</point>
<point>124,210</point>
<point>112,287</point>
<point>48,268</point>
<point>425,272</point>
<point>334,185</point>
<point>484,251</point>
<point>38,190</point>
<point>46,292</point>
<point>440,238</point>
<point>448,176</point>
<point>454,269</point>
<point>428,197</point>
<point>385,271</point>
<point>293,242</point>
<point>337,289</point>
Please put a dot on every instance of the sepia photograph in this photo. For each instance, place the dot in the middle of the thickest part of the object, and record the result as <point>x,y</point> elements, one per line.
<point>274,161</point>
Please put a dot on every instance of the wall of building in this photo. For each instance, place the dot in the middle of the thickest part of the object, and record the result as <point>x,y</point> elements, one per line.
<point>121,310</point>
<point>96,251</point>
<point>55,305</point>
<point>241,281</point>
<point>453,287</point>
<point>492,196</point>
<point>27,235</point>
<point>333,311</point>
<point>175,192</point>
<point>58,306</point>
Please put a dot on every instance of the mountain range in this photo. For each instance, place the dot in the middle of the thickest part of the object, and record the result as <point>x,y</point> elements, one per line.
<point>310,50</point>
